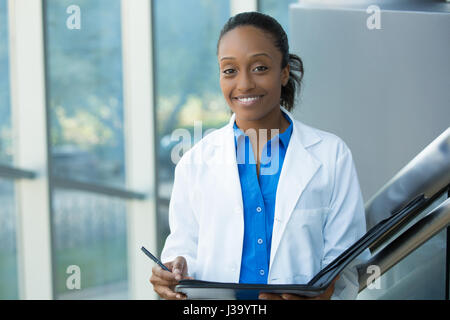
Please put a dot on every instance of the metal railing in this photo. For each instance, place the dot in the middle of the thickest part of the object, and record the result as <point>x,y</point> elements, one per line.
<point>71,184</point>
<point>408,241</point>
<point>427,174</point>
<point>9,172</point>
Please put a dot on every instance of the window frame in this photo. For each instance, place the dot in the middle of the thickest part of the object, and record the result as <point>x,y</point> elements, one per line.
<point>31,168</point>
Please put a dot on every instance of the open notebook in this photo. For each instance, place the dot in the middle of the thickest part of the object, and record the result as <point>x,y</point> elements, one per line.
<point>197,289</point>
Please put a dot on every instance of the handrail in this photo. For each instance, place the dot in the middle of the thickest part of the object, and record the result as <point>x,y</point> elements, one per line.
<point>71,184</point>
<point>10,172</point>
<point>408,241</point>
<point>427,174</point>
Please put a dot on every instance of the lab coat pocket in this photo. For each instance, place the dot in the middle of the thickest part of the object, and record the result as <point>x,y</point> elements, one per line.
<point>310,220</point>
<point>305,237</point>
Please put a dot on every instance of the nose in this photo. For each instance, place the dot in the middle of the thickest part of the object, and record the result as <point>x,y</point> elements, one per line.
<point>245,82</point>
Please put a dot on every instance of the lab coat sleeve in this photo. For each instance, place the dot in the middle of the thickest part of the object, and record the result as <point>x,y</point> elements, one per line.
<point>182,240</point>
<point>345,223</point>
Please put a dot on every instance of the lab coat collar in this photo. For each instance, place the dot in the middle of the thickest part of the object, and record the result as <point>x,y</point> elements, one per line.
<point>299,167</point>
<point>304,133</point>
<point>284,137</point>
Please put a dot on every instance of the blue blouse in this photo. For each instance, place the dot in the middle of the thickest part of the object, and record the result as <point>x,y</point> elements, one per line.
<point>258,195</point>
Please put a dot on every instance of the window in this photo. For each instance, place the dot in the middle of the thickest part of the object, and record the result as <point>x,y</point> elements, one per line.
<point>84,84</point>
<point>84,74</point>
<point>5,110</point>
<point>8,254</point>
<point>279,9</point>
<point>186,79</point>
<point>90,232</point>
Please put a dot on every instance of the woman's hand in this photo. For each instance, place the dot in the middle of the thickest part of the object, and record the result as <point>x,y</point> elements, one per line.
<point>288,296</point>
<point>164,282</point>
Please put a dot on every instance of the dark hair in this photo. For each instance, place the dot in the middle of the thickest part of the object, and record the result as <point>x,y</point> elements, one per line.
<point>268,24</point>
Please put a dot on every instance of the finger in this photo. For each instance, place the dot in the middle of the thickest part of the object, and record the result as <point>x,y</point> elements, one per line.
<point>178,266</point>
<point>172,295</point>
<point>336,279</point>
<point>333,283</point>
<point>269,296</point>
<point>181,296</point>
<point>165,292</point>
<point>156,281</point>
<point>288,296</point>
<point>163,274</point>
<point>326,295</point>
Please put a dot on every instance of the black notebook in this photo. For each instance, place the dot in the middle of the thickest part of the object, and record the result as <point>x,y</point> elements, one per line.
<point>197,289</point>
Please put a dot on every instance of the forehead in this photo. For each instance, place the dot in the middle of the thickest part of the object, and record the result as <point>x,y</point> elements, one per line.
<point>246,40</point>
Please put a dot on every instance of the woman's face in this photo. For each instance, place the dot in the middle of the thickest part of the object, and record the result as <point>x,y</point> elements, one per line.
<point>250,72</point>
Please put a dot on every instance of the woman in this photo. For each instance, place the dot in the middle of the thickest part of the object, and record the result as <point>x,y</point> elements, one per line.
<point>264,199</point>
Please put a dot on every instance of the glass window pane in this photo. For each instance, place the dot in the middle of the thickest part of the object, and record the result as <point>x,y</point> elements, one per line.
<point>5,111</point>
<point>279,9</point>
<point>186,71</point>
<point>8,254</point>
<point>187,85</point>
<point>84,72</point>
<point>89,231</point>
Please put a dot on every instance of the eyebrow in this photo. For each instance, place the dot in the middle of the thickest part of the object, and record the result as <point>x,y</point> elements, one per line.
<point>254,55</point>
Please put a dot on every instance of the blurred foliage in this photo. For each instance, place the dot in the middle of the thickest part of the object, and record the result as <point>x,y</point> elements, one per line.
<point>84,74</point>
<point>186,67</point>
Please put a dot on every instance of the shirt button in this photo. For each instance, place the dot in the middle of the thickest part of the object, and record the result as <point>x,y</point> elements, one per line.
<point>260,241</point>
<point>258,209</point>
<point>261,272</point>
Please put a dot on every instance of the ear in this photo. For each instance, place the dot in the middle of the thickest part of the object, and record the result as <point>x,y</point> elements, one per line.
<point>285,75</point>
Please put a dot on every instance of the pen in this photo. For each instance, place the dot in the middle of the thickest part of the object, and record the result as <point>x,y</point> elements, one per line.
<point>155,259</point>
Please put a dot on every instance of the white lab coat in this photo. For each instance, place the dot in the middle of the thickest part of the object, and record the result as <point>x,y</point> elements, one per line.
<point>319,209</point>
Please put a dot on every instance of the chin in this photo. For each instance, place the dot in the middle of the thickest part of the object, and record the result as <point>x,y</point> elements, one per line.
<point>251,114</point>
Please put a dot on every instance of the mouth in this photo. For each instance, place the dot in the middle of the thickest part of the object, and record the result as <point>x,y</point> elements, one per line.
<point>248,99</point>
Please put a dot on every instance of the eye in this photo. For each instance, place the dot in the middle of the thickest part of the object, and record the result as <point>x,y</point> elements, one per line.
<point>261,68</point>
<point>228,71</point>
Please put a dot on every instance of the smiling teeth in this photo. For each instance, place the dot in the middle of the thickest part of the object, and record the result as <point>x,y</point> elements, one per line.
<point>248,99</point>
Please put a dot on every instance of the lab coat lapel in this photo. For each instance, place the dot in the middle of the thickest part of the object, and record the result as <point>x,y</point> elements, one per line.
<point>228,183</point>
<point>298,169</point>
<point>226,166</point>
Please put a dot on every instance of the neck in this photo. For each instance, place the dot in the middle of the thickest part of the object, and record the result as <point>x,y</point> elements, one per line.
<point>273,120</point>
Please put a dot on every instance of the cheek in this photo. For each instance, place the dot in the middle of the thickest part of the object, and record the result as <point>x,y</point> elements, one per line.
<point>273,87</point>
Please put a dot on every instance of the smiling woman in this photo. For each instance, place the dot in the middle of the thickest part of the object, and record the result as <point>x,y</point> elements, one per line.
<point>257,73</point>
<point>236,221</point>
<point>251,74</point>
